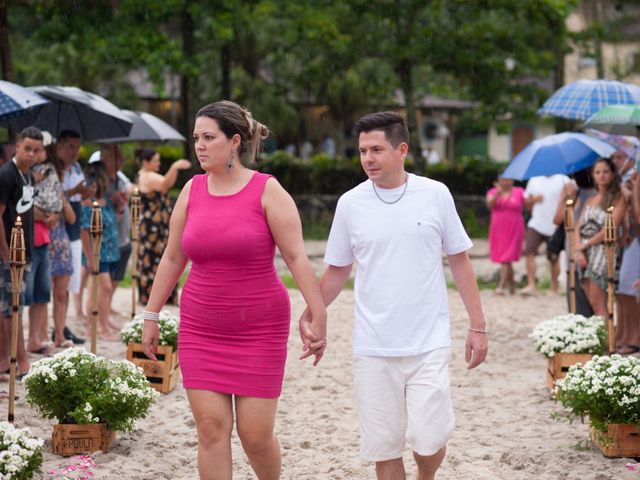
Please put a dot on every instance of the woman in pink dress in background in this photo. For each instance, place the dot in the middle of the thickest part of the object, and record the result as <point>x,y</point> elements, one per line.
<point>506,230</point>
<point>234,309</point>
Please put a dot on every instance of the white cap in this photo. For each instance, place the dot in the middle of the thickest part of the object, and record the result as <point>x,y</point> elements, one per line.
<point>95,157</point>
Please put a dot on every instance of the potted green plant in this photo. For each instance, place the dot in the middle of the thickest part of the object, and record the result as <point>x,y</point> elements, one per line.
<point>79,388</point>
<point>568,339</point>
<point>165,373</point>
<point>607,390</point>
<point>20,453</point>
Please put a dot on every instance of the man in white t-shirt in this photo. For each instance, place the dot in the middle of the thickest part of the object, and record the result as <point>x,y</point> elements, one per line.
<point>541,197</point>
<point>396,226</point>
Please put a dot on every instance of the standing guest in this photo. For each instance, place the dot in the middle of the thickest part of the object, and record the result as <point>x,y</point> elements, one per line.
<point>234,311</point>
<point>97,178</point>
<point>118,193</point>
<point>60,258</point>
<point>628,313</point>
<point>506,230</point>
<point>16,199</point>
<point>589,233</point>
<point>73,184</point>
<point>578,190</point>
<point>7,151</point>
<point>396,226</point>
<point>155,212</point>
<point>47,208</point>
<point>541,197</point>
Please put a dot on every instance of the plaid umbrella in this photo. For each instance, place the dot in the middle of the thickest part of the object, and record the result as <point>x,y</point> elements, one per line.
<point>563,153</point>
<point>16,100</point>
<point>581,99</point>
<point>616,119</point>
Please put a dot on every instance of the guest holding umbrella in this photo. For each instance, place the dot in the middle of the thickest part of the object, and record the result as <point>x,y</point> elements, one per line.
<point>156,211</point>
<point>506,230</point>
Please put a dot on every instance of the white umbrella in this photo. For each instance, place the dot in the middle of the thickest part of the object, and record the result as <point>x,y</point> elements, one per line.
<point>146,127</point>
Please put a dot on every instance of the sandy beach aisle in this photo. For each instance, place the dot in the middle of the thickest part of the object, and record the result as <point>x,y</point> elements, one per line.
<point>504,426</point>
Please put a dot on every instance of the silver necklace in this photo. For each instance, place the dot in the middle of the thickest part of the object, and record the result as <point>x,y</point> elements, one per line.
<point>406,183</point>
<point>27,180</point>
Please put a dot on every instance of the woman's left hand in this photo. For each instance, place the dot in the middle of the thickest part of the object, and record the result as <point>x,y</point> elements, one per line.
<point>313,332</point>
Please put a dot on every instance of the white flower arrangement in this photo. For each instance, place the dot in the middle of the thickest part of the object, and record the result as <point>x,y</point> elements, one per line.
<point>606,388</point>
<point>76,386</point>
<point>570,333</point>
<point>167,328</point>
<point>20,453</point>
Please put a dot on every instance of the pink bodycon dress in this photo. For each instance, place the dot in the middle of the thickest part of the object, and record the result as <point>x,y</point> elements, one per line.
<point>234,310</point>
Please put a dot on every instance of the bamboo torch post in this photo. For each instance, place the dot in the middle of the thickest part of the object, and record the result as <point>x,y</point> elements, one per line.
<point>610,250</point>
<point>17,260</point>
<point>569,226</point>
<point>95,232</point>
<point>135,232</point>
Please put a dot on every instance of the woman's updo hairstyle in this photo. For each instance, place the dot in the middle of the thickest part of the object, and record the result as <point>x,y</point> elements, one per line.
<point>233,118</point>
<point>145,154</point>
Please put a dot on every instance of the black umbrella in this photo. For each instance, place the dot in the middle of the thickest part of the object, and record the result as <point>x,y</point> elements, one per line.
<point>71,108</point>
<point>146,127</point>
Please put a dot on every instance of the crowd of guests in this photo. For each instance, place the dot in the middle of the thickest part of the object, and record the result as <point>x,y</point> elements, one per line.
<point>610,182</point>
<point>42,181</point>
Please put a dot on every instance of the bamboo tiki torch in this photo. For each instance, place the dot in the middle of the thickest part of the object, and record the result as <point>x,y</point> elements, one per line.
<point>569,226</point>
<point>96,239</point>
<point>135,232</point>
<point>17,260</point>
<point>610,250</point>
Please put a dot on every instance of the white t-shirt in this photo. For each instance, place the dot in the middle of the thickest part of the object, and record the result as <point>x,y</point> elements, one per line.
<point>543,212</point>
<point>72,177</point>
<point>400,291</point>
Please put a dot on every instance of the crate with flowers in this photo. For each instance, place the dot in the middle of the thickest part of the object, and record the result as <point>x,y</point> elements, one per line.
<point>568,339</point>
<point>20,453</point>
<point>607,390</point>
<point>90,396</point>
<point>164,374</point>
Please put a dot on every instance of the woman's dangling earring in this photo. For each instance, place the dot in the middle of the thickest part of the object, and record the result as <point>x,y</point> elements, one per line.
<point>230,161</point>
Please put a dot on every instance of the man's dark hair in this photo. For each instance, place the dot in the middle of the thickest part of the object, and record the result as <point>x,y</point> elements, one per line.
<point>391,123</point>
<point>65,134</point>
<point>33,133</point>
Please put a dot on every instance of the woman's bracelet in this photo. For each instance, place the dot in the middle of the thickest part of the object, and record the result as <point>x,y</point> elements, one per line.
<point>478,330</point>
<point>151,316</point>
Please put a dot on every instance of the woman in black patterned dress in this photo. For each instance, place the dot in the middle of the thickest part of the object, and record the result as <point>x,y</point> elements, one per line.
<point>155,213</point>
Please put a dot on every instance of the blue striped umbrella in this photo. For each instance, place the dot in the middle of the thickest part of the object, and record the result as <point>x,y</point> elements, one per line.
<point>16,100</point>
<point>581,99</point>
<point>563,153</point>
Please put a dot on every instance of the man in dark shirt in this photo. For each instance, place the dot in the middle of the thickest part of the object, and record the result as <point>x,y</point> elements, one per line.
<point>16,199</point>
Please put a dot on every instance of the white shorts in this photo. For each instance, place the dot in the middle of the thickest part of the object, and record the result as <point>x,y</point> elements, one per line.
<point>76,261</point>
<point>403,400</point>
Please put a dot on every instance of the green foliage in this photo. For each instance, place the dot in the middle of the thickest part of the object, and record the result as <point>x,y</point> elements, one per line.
<point>76,386</point>
<point>470,175</point>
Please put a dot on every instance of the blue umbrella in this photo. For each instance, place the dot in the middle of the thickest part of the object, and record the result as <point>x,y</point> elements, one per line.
<point>16,100</point>
<point>581,99</point>
<point>563,153</point>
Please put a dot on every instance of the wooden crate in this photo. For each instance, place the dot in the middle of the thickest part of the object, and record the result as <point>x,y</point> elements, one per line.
<point>621,440</point>
<point>164,374</point>
<point>71,439</point>
<point>559,365</point>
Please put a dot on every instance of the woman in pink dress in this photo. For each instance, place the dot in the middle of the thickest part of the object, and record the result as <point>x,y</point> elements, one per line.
<point>506,230</point>
<point>234,310</point>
